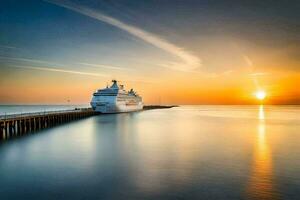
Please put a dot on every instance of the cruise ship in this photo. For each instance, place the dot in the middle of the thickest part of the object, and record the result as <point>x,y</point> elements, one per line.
<point>115,99</point>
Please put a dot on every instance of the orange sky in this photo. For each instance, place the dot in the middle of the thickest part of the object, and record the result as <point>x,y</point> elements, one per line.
<point>177,88</point>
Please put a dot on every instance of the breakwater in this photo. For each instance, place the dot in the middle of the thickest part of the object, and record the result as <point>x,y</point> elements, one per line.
<point>21,124</point>
<point>150,107</point>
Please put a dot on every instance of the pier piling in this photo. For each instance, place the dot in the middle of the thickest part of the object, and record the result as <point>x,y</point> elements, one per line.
<point>21,124</point>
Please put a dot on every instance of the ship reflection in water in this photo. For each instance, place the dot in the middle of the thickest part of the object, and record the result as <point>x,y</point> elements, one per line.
<point>261,184</point>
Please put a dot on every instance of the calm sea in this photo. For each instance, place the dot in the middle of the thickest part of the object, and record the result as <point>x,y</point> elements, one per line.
<point>189,152</point>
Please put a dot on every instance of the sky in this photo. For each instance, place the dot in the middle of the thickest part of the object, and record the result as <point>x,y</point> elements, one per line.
<point>170,51</point>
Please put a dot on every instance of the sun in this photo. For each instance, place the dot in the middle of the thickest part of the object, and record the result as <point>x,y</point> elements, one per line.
<point>260,95</point>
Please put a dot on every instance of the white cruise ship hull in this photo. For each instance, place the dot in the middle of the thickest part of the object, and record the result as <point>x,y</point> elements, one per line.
<point>115,108</point>
<point>111,104</point>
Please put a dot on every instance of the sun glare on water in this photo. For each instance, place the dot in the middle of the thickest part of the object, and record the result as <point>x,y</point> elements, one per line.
<point>261,95</point>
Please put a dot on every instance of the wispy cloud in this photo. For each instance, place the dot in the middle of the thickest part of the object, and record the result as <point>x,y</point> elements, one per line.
<point>251,69</point>
<point>8,47</point>
<point>259,74</point>
<point>138,80</point>
<point>217,75</point>
<point>60,70</point>
<point>30,60</point>
<point>103,66</point>
<point>248,60</point>
<point>188,60</point>
<point>36,61</point>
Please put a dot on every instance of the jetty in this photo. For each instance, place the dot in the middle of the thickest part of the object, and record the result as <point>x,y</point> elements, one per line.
<point>21,124</point>
<point>14,125</point>
<point>151,107</point>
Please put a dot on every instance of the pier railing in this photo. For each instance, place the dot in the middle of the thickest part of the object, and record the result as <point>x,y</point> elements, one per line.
<point>20,124</point>
<point>5,116</point>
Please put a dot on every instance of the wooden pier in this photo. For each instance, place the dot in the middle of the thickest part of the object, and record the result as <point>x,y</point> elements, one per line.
<point>22,124</point>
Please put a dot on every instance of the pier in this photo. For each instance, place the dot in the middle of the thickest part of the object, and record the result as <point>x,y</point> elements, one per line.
<point>21,124</point>
<point>14,125</point>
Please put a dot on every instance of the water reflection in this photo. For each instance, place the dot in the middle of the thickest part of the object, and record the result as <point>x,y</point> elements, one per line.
<point>181,153</point>
<point>261,114</point>
<point>261,183</point>
<point>168,156</point>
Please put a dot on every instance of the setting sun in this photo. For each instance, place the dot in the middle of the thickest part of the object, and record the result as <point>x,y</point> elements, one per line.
<point>261,95</point>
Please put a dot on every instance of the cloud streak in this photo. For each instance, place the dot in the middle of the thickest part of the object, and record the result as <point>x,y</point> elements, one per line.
<point>188,60</point>
<point>8,47</point>
<point>35,61</point>
<point>103,66</point>
<point>31,60</point>
<point>60,70</point>
<point>259,74</point>
<point>251,69</point>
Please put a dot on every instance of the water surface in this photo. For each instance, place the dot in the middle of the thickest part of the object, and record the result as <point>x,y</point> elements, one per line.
<point>189,152</point>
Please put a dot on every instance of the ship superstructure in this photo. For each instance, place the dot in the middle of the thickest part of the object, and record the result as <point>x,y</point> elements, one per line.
<point>115,99</point>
